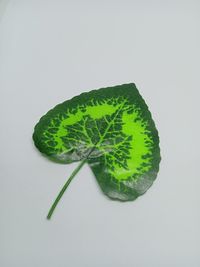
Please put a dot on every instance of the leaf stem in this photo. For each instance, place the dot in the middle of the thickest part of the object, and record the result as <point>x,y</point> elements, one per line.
<point>55,203</point>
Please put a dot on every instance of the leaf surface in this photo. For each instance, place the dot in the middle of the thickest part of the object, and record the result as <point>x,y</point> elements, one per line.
<point>110,128</point>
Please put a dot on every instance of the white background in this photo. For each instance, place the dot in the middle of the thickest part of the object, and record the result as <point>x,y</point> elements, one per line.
<point>51,51</point>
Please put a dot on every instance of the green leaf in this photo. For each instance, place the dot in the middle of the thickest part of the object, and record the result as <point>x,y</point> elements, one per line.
<point>112,130</point>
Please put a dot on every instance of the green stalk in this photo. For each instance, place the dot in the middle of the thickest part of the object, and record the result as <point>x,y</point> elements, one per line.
<point>64,188</point>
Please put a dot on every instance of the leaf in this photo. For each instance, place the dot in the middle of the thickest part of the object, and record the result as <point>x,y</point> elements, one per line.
<point>112,130</point>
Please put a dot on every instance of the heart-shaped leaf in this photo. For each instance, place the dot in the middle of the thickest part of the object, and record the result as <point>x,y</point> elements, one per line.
<point>112,130</point>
